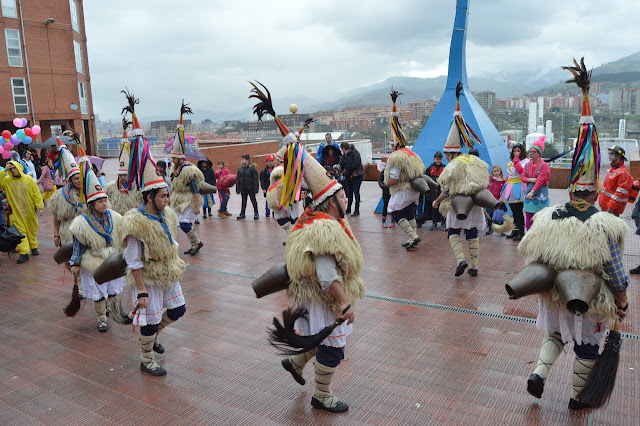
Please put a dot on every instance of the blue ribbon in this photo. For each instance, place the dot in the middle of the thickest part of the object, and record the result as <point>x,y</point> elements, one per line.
<point>159,218</point>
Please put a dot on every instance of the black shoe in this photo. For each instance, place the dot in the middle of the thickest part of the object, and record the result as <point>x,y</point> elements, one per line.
<point>158,348</point>
<point>197,222</point>
<point>434,226</point>
<point>81,296</point>
<point>489,231</point>
<point>188,251</point>
<point>635,271</point>
<point>356,213</point>
<point>256,216</point>
<point>35,252</point>
<point>210,215</point>
<point>267,215</point>
<point>241,216</point>
<point>204,214</point>
<point>518,237</point>
<point>287,366</point>
<point>197,248</point>
<point>473,272</point>
<point>340,407</point>
<point>574,404</point>
<point>511,234</point>
<point>405,245</point>
<point>157,372</point>
<point>23,258</point>
<point>535,385</point>
<point>461,267</point>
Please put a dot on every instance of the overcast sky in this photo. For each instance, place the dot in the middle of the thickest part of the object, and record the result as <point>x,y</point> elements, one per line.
<point>206,50</point>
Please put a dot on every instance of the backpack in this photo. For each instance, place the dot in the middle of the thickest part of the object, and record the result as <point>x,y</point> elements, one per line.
<point>9,238</point>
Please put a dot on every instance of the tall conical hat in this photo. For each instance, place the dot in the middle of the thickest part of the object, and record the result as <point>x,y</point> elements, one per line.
<point>123,159</point>
<point>143,171</point>
<point>320,185</point>
<point>396,126</point>
<point>66,164</point>
<point>292,153</point>
<point>90,188</point>
<point>178,149</point>
<point>460,133</point>
<point>82,155</point>
<point>585,165</point>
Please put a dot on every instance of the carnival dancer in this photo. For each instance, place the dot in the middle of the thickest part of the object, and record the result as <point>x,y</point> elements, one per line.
<point>514,191</point>
<point>285,216</point>
<point>123,199</point>
<point>577,236</point>
<point>324,261</point>
<point>186,179</point>
<point>402,167</point>
<point>617,183</point>
<point>93,244</point>
<point>148,236</point>
<point>465,174</point>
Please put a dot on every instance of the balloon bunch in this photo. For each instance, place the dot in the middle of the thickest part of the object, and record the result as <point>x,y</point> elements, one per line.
<point>23,135</point>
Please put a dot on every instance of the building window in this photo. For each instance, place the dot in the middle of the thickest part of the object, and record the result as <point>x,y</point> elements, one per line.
<point>74,16</point>
<point>9,9</point>
<point>19,96</point>
<point>83,98</point>
<point>14,52</point>
<point>77,50</point>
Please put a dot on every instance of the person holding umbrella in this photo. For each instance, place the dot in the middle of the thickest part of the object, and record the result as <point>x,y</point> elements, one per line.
<point>185,186</point>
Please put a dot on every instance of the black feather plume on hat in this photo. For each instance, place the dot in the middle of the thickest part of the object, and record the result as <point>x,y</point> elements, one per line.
<point>307,122</point>
<point>184,109</point>
<point>125,123</point>
<point>581,76</point>
<point>395,94</point>
<point>131,100</point>
<point>459,90</point>
<point>265,106</point>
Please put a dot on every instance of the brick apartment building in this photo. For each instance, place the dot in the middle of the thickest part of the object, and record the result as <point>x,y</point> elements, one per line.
<point>44,69</point>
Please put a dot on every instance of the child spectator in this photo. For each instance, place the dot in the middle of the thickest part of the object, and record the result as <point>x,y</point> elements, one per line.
<point>264,181</point>
<point>206,167</point>
<point>222,171</point>
<point>434,171</point>
<point>46,180</point>
<point>247,185</point>
<point>496,183</point>
<point>386,195</point>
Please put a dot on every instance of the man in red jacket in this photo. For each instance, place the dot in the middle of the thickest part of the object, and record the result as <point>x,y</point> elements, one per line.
<point>617,184</point>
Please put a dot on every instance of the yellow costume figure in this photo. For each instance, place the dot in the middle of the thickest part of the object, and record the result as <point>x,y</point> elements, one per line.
<point>24,198</point>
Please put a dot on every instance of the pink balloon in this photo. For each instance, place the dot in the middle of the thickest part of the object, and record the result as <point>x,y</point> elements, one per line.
<point>6,155</point>
<point>1,149</point>
<point>8,146</point>
<point>17,122</point>
<point>36,130</point>
<point>24,122</point>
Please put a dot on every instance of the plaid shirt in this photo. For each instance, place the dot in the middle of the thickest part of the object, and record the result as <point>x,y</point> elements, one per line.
<point>618,279</point>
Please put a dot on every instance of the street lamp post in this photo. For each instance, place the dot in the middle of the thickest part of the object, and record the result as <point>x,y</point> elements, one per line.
<point>385,142</point>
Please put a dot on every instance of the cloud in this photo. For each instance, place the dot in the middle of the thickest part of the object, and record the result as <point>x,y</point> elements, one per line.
<point>205,51</point>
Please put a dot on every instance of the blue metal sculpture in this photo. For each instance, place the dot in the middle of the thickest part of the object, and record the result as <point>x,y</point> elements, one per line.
<point>434,134</point>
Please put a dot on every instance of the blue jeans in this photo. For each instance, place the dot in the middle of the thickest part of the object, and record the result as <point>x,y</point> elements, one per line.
<point>225,200</point>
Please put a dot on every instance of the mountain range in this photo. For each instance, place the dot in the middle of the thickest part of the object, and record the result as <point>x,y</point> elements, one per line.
<point>625,71</point>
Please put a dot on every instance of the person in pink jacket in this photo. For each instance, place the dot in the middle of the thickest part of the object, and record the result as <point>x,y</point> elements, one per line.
<point>220,172</point>
<point>536,175</point>
<point>46,179</point>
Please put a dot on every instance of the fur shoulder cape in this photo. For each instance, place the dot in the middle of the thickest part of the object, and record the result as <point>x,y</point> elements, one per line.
<point>466,174</point>
<point>97,249</point>
<point>411,167</point>
<point>162,265</point>
<point>321,237</point>
<point>570,243</point>
<point>65,211</point>
<point>181,196</point>
<point>122,201</point>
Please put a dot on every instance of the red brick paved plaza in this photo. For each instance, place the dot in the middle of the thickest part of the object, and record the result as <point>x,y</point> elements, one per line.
<point>427,348</point>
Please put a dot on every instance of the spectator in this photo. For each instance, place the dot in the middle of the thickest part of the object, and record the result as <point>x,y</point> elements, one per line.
<point>205,167</point>
<point>247,185</point>
<point>222,171</point>
<point>162,165</point>
<point>224,184</point>
<point>99,174</point>
<point>496,183</point>
<point>53,153</point>
<point>537,174</point>
<point>330,156</point>
<point>617,183</point>
<point>24,199</point>
<point>434,171</point>
<point>328,141</point>
<point>46,179</point>
<point>353,172</point>
<point>25,167</point>
<point>264,180</point>
<point>386,195</point>
<point>515,190</point>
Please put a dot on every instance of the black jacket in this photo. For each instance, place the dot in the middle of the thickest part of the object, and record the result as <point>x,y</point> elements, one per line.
<point>350,163</point>
<point>264,178</point>
<point>385,188</point>
<point>209,176</point>
<point>247,180</point>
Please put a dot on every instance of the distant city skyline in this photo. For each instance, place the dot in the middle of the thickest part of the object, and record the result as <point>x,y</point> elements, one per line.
<point>208,51</point>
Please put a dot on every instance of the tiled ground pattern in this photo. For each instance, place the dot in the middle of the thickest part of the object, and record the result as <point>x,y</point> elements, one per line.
<point>405,364</point>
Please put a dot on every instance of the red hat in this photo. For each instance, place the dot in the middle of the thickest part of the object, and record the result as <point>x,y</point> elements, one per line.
<point>271,157</point>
